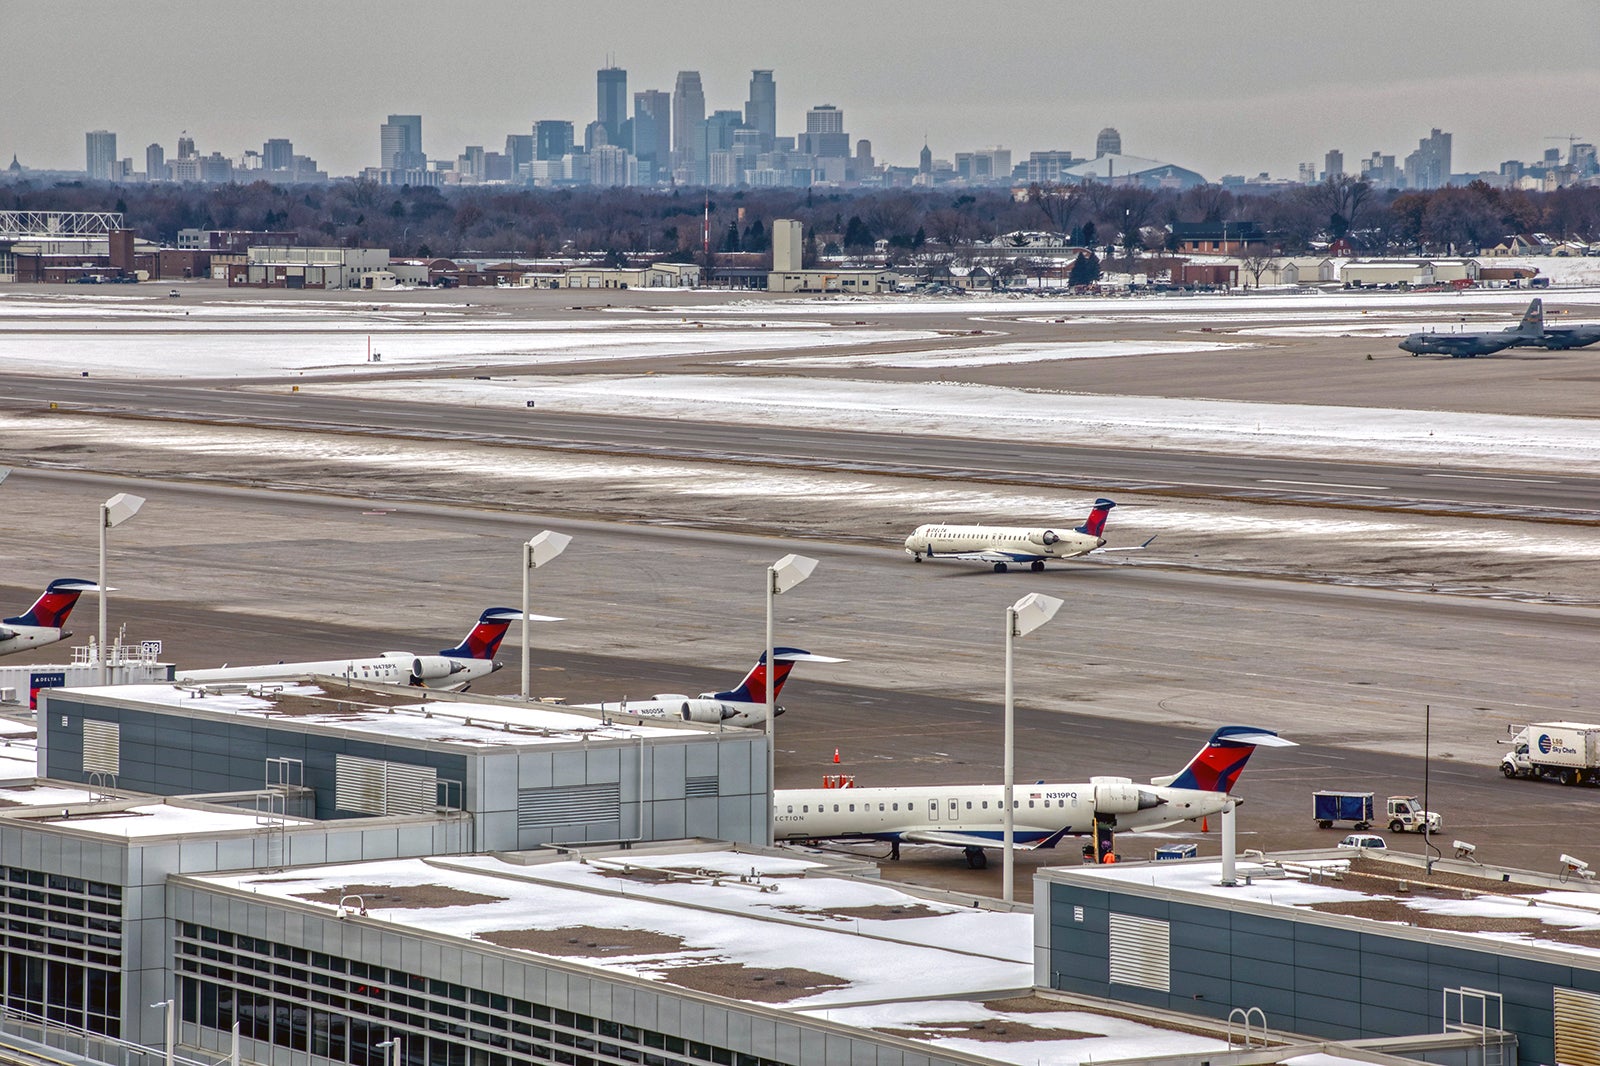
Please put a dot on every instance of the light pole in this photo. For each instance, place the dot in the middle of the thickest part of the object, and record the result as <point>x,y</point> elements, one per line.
<point>1022,618</point>
<point>171,1020</point>
<point>782,576</point>
<point>535,553</point>
<point>398,1043</point>
<point>113,512</point>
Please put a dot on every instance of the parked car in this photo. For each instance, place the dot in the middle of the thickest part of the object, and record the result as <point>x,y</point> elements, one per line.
<point>1364,840</point>
<point>172,292</point>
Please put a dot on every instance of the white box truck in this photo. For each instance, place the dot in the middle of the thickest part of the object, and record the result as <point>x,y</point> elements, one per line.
<point>1568,752</point>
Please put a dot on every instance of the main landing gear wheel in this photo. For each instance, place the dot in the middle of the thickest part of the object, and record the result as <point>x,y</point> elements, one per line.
<point>916,558</point>
<point>977,859</point>
<point>1037,565</point>
<point>1000,568</point>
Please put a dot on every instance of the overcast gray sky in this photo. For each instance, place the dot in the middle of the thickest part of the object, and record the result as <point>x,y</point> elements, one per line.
<point>1226,86</point>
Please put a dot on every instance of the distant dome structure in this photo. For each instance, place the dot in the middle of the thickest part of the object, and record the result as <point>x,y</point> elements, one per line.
<point>15,167</point>
<point>1108,143</point>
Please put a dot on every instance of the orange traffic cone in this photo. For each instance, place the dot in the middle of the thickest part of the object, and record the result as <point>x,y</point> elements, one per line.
<point>836,755</point>
<point>1205,826</point>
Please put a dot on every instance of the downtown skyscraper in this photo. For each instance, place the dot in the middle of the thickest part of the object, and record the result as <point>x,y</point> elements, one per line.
<point>611,104</point>
<point>688,114</point>
<point>761,110</point>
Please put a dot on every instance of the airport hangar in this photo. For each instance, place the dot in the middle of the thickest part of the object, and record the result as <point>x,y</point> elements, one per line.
<point>117,902</point>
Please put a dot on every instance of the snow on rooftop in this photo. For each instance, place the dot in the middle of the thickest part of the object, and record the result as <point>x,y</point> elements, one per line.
<point>162,819</point>
<point>1027,1036</point>
<point>33,795</point>
<point>635,927</point>
<point>482,724</point>
<point>1565,920</point>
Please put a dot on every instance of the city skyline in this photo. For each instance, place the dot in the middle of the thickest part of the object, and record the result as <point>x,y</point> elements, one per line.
<point>964,82</point>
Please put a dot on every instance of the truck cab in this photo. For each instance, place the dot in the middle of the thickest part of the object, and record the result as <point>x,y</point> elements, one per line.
<point>1407,816</point>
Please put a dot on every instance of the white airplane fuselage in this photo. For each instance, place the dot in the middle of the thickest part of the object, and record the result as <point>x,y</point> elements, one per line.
<point>24,637</point>
<point>705,708</point>
<point>963,814</point>
<point>1021,544</point>
<point>390,668</point>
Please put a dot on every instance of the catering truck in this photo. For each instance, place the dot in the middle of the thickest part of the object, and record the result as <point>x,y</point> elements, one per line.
<point>1402,814</point>
<point>1568,752</point>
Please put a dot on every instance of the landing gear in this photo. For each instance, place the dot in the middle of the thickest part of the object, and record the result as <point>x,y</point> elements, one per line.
<point>1000,568</point>
<point>1036,566</point>
<point>916,558</point>
<point>977,859</point>
<point>894,851</point>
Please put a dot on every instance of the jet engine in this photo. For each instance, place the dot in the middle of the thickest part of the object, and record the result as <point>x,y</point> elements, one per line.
<point>708,712</point>
<point>1118,795</point>
<point>1045,537</point>
<point>433,667</point>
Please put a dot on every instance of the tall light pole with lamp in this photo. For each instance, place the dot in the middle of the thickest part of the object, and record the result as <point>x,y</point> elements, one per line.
<point>535,553</point>
<point>782,576</point>
<point>1022,618</point>
<point>113,512</point>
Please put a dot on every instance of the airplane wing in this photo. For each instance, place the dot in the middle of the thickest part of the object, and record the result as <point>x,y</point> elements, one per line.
<point>991,555</point>
<point>1130,548</point>
<point>954,839</point>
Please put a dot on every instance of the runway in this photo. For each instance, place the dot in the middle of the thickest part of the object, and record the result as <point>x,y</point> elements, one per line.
<point>1463,491</point>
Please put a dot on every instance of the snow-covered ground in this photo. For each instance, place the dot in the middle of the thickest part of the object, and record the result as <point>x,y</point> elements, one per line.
<point>998,354</point>
<point>998,413</point>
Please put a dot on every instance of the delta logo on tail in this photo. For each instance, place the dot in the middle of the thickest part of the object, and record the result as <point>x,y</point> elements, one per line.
<point>44,622</point>
<point>1003,546</point>
<point>484,640</point>
<point>1217,766</point>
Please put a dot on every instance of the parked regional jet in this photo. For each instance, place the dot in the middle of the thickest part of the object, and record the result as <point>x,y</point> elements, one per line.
<point>1002,545</point>
<point>45,622</point>
<point>457,667</point>
<point>1559,338</point>
<point>1466,345</point>
<point>972,817</point>
<point>742,706</point>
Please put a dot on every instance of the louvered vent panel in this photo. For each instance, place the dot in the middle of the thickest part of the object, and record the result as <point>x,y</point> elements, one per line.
<point>1141,952</point>
<point>102,747</point>
<point>1577,1028</point>
<point>694,787</point>
<point>550,808</point>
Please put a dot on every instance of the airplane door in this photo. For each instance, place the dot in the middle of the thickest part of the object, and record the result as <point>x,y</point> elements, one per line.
<point>933,810</point>
<point>955,810</point>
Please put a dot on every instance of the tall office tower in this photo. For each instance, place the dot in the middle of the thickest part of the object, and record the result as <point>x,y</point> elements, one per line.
<point>186,146</point>
<point>1429,166</point>
<point>400,143</point>
<point>100,155</point>
<point>519,152</point>
<point>611,103</point>
<point>825,135</point>
<point>1333,164</point>
<point>277,154</point>
<point>552,138</point>
<point>761,110</point>
<point>470,162</point>
<point>155,163</point>
<point>925,160</point>
<point>1108,143</point>
<point>688,112</point>
<point>652,133</point>
<point>1583,159</point>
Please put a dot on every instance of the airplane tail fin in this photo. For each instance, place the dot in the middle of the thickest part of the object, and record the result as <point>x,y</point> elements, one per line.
<point>1533,318</point>
<point>1217,766</point>
<point>1095,524</point>
<point>484,639</point>
<point>51,609</point>
<point>753,689</point>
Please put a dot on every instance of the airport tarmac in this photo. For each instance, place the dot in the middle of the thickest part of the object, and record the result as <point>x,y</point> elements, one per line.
<point>1333,624</point>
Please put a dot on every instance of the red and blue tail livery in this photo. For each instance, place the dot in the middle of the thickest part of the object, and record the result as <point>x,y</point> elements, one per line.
<point>483,642</point>
<point>1095,524</point>
<point>44,622</point>
<point>1217,766</point>
<point>753,689</point>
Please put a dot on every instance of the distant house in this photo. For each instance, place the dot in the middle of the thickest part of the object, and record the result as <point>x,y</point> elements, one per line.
<point>969,279</point>
<point>1520,244</point>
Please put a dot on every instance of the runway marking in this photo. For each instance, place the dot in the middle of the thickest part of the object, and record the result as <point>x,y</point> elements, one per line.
<point>1485,477</point>
<point>1321,484</point>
